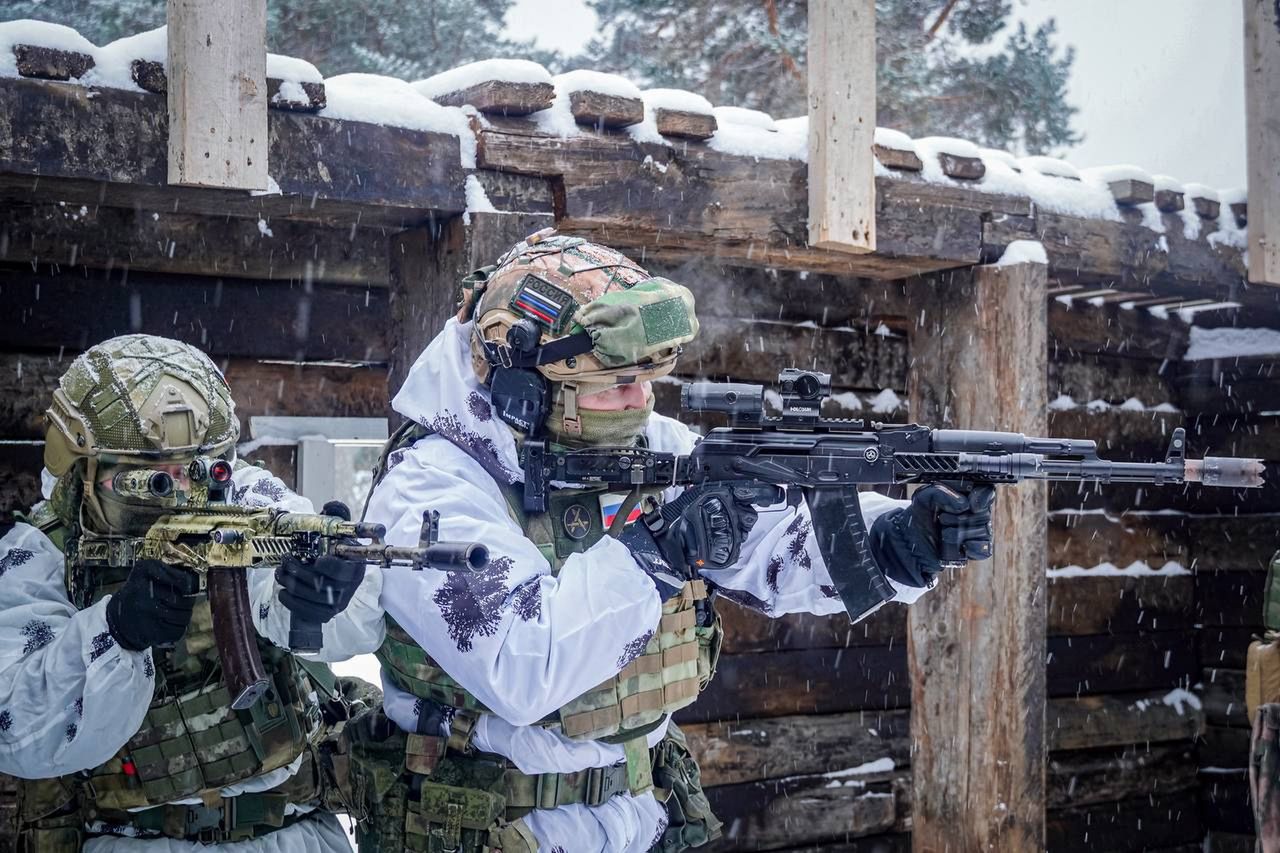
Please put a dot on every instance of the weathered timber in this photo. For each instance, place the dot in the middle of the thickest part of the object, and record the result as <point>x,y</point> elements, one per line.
<point>1141,823</point>
<point>754,750</point>
<point>217,96</point>
<point>749,631</point>
<point>1092,776</point>
<point>1131,191</point>
<point>749,750</point>
<point>757,350</point>
<point>1230,599</point>
<point>896,158</point>
<point>1216,841</point>
<point>978,768</point>
<point>890,843</point>
<point>161,241</point>
<point>1110,378</point>
<point>770,815</point>
<point>601,110</point>
<point>1224,746</point>
<point>502,97</point>
<point>1255,436</point>
<point>312,100</point>
<point>1102,605</point>
<point>1226,543</point>
<point>50,63</point>
<point>1227,647</point>
<point>1110,330</point>
<point>427,265</point>
<point>683,124</point>
<point>222,316</point>
<point>1206,208</point>
<point>819,681</point>
<point>1169,201</point>
<point>1122,434</point>
<point>1223,697</point>
<point>8,813</point>
<point>1230,386</point>
<point>1119,719</point>
<point>841,94</point>
<point>1122,662</point>
<point>513,193</point>
<point>1092,539</point>
<point>961,168</point>
<point>262,388</point>
<point>20,466</point>
<point>65,142</point>
<point>1224,801</point>
<point>1240,212</point>
<point>149,75</point>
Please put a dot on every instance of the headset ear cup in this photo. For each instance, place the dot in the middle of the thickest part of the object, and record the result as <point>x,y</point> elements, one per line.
<point>521,397</point>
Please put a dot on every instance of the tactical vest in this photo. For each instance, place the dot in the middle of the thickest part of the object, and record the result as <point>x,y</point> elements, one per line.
<point>667,675</point>
<point>191,743</point>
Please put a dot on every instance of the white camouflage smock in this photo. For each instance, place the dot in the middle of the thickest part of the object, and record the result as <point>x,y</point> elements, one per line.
<point>525,642</point>
<point>71,697</point>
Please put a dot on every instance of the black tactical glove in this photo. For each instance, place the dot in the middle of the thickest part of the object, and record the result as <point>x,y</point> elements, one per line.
<point>317,591</point>
<point>154,606</point>
<point>910,544</point>
<point>701,529</point>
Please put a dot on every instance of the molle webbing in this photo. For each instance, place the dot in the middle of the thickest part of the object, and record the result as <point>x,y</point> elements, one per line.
<point>415,672</point>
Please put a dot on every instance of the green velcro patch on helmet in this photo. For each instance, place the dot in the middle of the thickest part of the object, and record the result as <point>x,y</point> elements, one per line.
<point>630,325</point>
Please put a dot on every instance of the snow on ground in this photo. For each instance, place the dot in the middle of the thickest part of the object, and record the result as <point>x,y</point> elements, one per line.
<point>1119,172</point>
<point>1066,403</point>
<point>887,137</point>
<point>676,99</point>
<point>1134,569</point>
<point>1050,166</point>
<point>473,73</point>
<point>785,143</point>
<point>1231,343</point>
<point>376,99</point>
<point>586,80</point>
<point>39,33</point>
<point>1165,183</point>
<point>1201,191</point>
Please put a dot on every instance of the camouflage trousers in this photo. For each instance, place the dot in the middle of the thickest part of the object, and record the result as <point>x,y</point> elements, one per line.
<point>1264,777</point>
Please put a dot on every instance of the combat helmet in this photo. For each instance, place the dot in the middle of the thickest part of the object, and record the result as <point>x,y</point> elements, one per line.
<point>137,400</point>
<point>580,315</point>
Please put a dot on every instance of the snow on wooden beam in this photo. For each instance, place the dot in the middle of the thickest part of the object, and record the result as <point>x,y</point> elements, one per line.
<point>217,58</point>
<point>501,97</point>
<point>684,124</point>
<point>50,63</point>
<point>1205,200</point>
<point>1262,114</point>
<point>842,120</point>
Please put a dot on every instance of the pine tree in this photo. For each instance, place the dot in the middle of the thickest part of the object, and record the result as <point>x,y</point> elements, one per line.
<point>931,79</point>
<point>393,37</point>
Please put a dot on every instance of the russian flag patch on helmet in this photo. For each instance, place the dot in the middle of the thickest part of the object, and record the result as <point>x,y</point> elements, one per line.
<point>543,302</point>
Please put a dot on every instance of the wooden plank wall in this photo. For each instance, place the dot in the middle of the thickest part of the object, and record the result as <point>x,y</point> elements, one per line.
<point>800,700</point>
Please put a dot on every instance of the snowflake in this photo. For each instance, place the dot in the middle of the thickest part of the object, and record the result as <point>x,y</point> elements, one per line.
<point>634,649</point>
<point>471,602</point>
<point>6,720</point>
<point>15,557</point>
<point>479,407</point>
<point>38,634</point>
<point>101,645</point>
<point>526,599</point>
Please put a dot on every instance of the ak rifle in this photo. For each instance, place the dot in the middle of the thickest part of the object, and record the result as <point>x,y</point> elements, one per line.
<point>799,454</point>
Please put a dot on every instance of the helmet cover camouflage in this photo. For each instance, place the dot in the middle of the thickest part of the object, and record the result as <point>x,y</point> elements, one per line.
<point>139,397</point>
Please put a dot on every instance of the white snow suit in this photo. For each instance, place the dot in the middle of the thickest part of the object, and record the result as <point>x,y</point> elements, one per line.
<point>525,642</point>
<point>71,697</point>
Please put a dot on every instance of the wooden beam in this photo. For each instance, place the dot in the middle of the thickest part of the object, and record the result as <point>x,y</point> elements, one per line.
<point>979,767</point>
<point>217,67</point>
<point>1262,119</point>
<point>842,121</point>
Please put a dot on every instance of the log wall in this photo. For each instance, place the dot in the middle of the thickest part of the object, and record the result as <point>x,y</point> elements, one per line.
<point>800,702</point>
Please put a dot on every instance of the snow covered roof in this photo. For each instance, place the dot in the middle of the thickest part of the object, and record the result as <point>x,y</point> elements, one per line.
<point>465,101</point>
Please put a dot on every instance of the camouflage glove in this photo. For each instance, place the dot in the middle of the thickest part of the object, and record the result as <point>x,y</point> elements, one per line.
<point>911,544</point>
<point>702,529</point>
<point>154,606</point>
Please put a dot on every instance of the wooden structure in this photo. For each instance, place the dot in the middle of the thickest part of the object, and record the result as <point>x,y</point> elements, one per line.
<point>1262,109</point>
<point>316,299</point>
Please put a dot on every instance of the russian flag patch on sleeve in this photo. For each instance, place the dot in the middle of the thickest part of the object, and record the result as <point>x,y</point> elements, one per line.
<point>611,503</point>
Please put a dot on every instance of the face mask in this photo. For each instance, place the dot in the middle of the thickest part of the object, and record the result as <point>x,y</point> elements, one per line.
<point>600,429</point>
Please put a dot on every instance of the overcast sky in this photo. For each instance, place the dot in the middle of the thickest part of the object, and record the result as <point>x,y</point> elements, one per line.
<point>1159,83</point>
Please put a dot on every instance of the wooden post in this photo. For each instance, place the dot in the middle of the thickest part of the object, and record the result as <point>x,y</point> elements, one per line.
<point>427,265</point>
<point>1262,119</point>
<point>977,641</point>
<point>217,69</point>
<point>842,124</point>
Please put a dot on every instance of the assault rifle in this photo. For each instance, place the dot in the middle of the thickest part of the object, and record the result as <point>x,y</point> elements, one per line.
<point>220,541</point>
<point>801,454</point>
